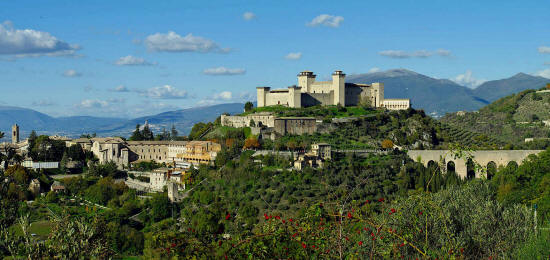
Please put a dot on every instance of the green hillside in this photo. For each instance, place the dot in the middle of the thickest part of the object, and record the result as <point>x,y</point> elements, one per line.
<point>510,119</point>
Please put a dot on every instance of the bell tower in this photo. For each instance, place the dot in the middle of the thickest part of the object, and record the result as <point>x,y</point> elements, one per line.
<point>15,134</point>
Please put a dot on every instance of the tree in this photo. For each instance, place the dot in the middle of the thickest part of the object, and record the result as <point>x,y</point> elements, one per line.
<point>248,106</point>
<point>76,153</point>
<point>387,144</point>
<point>147,134</point>
<point>136,135</point>
<point>173,133</point>
<point>251,143</point>
<point>160,207</point>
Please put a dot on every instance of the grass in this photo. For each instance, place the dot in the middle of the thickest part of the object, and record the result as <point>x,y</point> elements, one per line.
<point>315,111</point>
<point>41,228</point>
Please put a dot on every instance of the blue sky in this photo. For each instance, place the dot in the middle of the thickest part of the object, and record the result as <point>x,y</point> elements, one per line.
<point>135,58</point>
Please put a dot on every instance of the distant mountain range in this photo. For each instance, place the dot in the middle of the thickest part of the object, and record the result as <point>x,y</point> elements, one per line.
<point>183,120</point>
<point>440,96</point>
<point>435,96</point>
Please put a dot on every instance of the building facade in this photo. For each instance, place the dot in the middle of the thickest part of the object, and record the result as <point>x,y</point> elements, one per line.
<point>309,92</point>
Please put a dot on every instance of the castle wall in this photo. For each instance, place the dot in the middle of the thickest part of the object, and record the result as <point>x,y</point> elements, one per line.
<point>244,121</point>
<point>321,87</point>
<point>295,125</point>
<point>313,99</point>
<point>274,98</point>
<point>356,93</point>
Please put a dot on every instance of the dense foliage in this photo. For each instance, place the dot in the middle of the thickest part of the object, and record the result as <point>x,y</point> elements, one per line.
<point>510,119</point>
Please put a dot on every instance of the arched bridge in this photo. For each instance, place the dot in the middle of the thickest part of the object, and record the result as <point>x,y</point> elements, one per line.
<point>498,157</point>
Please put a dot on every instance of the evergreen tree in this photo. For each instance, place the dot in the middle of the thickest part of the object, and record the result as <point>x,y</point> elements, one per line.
<point>173,133</point>
<point>147,134</point>
<point>32,141</point>
<point>136,135</point>
<point>248,106</point>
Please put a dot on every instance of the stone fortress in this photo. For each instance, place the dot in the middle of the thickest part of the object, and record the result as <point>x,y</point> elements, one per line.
<point>309,92</point>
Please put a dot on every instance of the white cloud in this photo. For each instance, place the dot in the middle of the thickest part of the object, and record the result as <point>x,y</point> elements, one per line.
<point>543,73</point>
<point>225,95</point>
<point>400,54</point>
<point>326,20</point>
<point>173,42</point>
<point>249,16</point>
<point>468,80</point>
<point>443,52</point>
<point>43,103</point>
<point>165,92</point>
<point>71,74</point>
<point>93,103</point>
<point>132,61</point>
<point>294,56</point>
<point>28,42</point>
<point>223,71</point>
<point>544,49</point>
<point>373,70</point>
<point>121,88</point>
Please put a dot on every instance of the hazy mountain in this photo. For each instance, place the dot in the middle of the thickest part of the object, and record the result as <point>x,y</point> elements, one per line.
<point>495,89</point>
<point>435,96</point>
<point>439,96</point>
<point>184,119</point>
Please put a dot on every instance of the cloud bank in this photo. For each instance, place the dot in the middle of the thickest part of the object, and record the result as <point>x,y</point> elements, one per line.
<point>220,71</point>
<point>400,54</point>
<point>30,42</point>
<point>173,42</point>
<point>326,20</point>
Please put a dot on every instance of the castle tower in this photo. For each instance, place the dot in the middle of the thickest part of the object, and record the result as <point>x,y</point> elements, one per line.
<point>305,80</point>
<point>339,87</point>
<point>294,97</point>
<point>377,94</point>
<point>261,96</point>
<point>15,134</point>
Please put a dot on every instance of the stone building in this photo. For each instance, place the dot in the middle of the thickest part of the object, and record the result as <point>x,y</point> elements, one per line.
<point>309,92</point>
<point>315,158</point>
<point>199,152</point>
<point>110,149</point>
<point>123,152</point>
<point>15,134</point>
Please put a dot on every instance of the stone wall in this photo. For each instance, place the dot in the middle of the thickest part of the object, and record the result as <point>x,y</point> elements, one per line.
<point>313,99</point>
<point>295,125</point>
<point>244,121</point>
<point>277,97</point>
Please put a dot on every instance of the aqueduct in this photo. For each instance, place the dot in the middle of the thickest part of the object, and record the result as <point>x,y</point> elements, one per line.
<point>498,157</point>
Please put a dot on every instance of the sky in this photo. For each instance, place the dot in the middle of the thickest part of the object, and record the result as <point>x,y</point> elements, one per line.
<point>136,58</point>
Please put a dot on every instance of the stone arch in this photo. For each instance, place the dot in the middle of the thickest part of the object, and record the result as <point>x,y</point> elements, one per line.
<point>491,169</point>
<point>512,164</point>
<point>432,164</point>
<point>470,169</point>
<point>451,166</point>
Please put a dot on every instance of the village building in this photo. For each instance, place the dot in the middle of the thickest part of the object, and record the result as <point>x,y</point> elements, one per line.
<point>315,158</point>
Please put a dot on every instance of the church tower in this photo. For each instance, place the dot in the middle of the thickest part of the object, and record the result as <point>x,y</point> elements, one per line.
<point>15,134</point>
